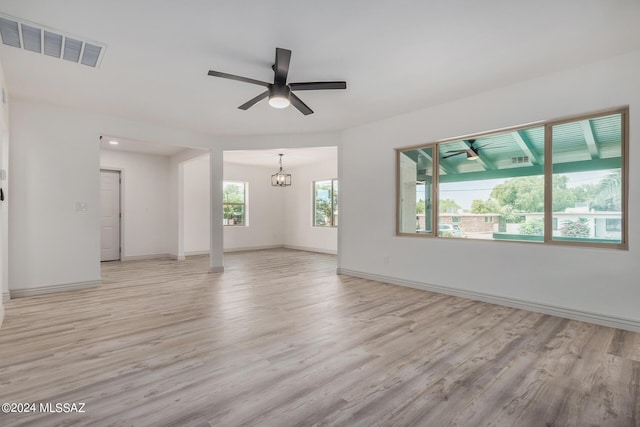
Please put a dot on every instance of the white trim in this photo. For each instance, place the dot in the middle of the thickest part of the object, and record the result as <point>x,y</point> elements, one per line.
<point>253,248</point>
<point>145,257</point>
<point>262,248</point>
<point>1,314</point>
<point>294,247</point>
<point>553,310</point>
<point>216,269</point>
<point>197,253</point>
<point>308,249</point>
<point>28,292</point>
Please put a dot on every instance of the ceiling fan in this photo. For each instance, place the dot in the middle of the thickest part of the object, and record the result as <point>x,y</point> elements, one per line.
<point>279,92</point>
<point>471,152</point>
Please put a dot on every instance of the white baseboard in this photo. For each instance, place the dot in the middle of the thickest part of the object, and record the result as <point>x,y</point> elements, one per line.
<point>253,248</point>
<point>261,248</point>
<point>309,249</point>
<point>553,310</point>
<point>1,314</point>
<point>192,253</point>
<point>145,257</point>
<point>28,292</point>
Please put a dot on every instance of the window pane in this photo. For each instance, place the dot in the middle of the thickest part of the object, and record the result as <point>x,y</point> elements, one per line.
<point>335,203</point>
<point>415,213</point>
<point>492,187</point>
<point>233,192</point>
<point>323,210</point>
<point>233,214</point>
<point>587,180</point>
<point>234,203</point>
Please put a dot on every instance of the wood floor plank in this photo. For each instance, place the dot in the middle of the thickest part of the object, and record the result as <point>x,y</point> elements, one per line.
<point>279,339</point>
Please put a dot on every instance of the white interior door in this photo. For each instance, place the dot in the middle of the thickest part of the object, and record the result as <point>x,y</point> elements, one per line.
<point>109,215</point>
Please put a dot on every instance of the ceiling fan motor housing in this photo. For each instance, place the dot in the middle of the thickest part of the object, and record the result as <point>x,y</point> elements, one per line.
<point>279,95</point>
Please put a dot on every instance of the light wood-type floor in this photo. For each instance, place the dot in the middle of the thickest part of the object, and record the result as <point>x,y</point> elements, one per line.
<point>279,339</point>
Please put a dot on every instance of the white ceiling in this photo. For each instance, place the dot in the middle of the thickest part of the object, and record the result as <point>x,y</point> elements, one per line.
<point>395,56</point>
<point>133,146</point>
<point>293,157</point>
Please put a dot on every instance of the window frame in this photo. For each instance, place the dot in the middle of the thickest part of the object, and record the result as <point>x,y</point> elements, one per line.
<point>548,179</point>
<point>244,204</point>
<point>334,182</point>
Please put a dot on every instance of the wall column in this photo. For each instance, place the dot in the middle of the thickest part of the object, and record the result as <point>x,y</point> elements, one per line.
<point>216,257</point>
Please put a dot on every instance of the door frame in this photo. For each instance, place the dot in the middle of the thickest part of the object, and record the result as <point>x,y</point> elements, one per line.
<point>120,172</point>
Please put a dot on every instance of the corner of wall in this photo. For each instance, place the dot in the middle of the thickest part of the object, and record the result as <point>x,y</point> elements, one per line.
<point>4,171</point>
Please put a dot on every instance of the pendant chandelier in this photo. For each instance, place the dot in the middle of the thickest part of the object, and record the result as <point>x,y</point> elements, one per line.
<point>281,179</point>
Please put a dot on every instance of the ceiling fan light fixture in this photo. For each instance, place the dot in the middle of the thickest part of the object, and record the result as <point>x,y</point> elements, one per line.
<point>472,156</point>
<point>279,102</point>
<point>279,96</point>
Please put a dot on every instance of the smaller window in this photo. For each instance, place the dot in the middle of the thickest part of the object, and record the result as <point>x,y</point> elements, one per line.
<point>456,219</point>
<point>488,219</point>
<point>325,203</point>
<point>234,203</point>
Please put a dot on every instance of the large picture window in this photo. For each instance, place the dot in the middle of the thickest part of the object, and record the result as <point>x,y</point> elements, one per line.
<point>325,203</point>
<point>563,181</point>
<point>234,203</point>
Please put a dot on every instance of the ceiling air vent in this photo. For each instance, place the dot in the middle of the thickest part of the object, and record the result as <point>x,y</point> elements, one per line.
<point>40,39</point>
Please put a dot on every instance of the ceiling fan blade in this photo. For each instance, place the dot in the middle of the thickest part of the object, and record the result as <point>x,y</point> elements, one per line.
<point>238,78</point>
<point>253,101</point>
<point>454,154</point>
<point>301,106</point>
<point>281,68</point>
<point>318,85</point>
<point>490,146</point>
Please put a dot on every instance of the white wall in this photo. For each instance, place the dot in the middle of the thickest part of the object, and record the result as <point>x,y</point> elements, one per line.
<point>265,208</point>
<point>196,206</point>
<point>54,165</point>
<point>277,216</point>
<point>145,201</point>
<point>4,217</point>
<point>600,281</point>
<point>265,216</point>
<point>55,162</point>
<point>299,231</point>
